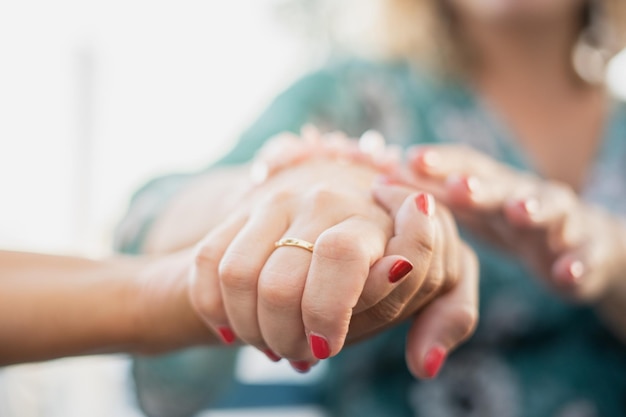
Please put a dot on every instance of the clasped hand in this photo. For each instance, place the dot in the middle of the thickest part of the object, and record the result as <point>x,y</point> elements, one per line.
<point>381,255</point>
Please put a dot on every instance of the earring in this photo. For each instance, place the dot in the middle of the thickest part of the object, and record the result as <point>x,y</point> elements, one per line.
<point>592,53</point>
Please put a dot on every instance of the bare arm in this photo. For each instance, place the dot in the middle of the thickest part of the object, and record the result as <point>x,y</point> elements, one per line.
<point>53,306</point>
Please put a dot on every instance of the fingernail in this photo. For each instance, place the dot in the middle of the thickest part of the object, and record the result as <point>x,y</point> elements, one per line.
<point>472,184</point>
<point>227,335</point>
<point>429,159</point>
<point>399,270</point>
<point>575,271</point>
<point>301,366</point>
<point>319,346</point>
<point>529,206</point>
<point>425,203</point>
<point>271,355</point>
<point>433,361</point>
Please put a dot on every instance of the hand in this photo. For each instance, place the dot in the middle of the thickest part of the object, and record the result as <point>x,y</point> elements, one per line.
<point>164,318</point>
<point>577,248</point>
<point>443,300</point>
<point>274,298</point>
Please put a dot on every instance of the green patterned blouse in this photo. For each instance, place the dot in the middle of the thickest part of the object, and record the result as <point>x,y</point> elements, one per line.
<point>533,355</point>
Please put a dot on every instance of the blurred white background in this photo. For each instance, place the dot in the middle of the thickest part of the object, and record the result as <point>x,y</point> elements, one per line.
<point>96,97</point>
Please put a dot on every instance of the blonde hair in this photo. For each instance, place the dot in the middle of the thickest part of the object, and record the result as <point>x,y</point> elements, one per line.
<point>423,30</point>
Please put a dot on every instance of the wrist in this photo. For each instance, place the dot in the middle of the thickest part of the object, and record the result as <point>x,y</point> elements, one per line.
<point>163,318</point>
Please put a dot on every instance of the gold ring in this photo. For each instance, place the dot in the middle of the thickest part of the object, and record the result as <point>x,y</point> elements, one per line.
<point>292,241</point>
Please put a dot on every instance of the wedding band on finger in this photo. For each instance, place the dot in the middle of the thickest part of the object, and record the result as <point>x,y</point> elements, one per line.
<point>292,241</point>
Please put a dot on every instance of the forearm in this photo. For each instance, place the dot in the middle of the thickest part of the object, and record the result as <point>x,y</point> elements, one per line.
<point>55,306</point>
<point>60,306</point>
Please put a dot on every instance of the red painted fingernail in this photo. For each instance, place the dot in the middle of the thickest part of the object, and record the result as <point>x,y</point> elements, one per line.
<point>319,346</point>
<point>271,355</point>
<point>529,206</point>
<point>301,366</point>
<point>433,361</point>
<point>575,271</point>
<point>399,270</point>
<point>425,204</point>
<point>227,335</point>
<point>471,184</point>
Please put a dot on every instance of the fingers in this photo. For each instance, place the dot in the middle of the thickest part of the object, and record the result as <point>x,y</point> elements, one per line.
<point>476,182</point>
<point>242,263</point>
<point>571,270</point>
<point>382,279</point>
<point>414,240</point>
<point>583,274</point>
<point>486,193</point>
<point>440,161</point>
<point>451,317</point>
<point>280,288</point>
<point>204,289</point>
<point>283,277</point>
<point>470,178</point>
<point>449,235</point>
<point>341,262</point>
<point>445,322</point>
<point>554,208</point>
<point>298,288</point>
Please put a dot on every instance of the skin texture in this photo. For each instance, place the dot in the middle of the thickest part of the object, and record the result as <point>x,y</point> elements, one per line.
<point>282,301</point>
<point>578,249</point>
<point>54,306</point>
<point>522,69</point>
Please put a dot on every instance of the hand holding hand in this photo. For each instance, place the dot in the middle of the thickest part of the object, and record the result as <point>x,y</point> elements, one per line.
<point>302,305</point>
<point>441,296</point>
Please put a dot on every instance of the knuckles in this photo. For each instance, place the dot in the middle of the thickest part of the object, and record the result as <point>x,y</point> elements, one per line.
<point>434,282</point>
<point>235,273</point>
<point>323,316</point>
<point>337,246</point>
<point>279,292</point>
<point>206,256</point>
<point>387,311</point>
<point>279,197</point>
<point>207,304</point>
<point>321,197</point>
<point>465,319</point>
